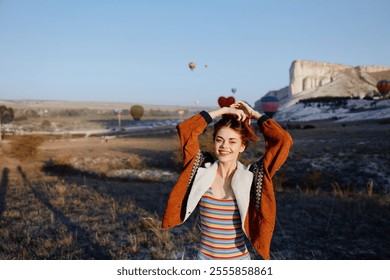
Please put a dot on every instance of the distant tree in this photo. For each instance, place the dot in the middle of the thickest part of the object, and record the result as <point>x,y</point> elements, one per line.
<point>6,116</point>
<point>46,124</point>
<point>30,113</point>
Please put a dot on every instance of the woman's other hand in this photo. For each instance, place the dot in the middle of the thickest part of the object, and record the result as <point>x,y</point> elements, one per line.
<point>241,115</point>
<point>241,105</point>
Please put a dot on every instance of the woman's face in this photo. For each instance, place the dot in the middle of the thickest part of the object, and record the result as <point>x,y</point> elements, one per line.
<point>228,144</point>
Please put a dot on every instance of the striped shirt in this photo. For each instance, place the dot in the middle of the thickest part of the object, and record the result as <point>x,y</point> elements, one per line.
<point>222,235</point>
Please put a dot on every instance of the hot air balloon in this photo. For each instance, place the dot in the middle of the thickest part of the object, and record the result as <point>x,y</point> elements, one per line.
<point>192,66</point>
<point>226,101</point>
<point>383,87</point>
<point>181,112</point>
<point>118,114</point>
<point>270,105</point>
<point>136,112</point>
<point>234,90</point>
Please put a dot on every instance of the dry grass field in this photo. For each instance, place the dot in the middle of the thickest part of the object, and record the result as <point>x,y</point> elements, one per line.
<point>87,198</point>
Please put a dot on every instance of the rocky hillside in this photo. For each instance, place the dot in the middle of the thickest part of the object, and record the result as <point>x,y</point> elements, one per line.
<point>310,80</point>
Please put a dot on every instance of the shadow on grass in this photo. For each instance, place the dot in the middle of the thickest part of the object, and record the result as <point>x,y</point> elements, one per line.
<point>63,170</point>
<point>84,240</point>
<point>149,195</point>
<point>3,190</point>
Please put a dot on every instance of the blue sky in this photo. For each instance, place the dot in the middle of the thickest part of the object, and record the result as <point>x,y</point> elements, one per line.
<point>138,51</point>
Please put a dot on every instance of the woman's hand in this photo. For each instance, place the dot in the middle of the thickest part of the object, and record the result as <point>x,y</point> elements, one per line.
<point>241,115</point>
<point>241,105</point>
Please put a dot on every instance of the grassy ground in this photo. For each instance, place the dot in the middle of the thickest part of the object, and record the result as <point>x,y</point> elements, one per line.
<point>62,202</point>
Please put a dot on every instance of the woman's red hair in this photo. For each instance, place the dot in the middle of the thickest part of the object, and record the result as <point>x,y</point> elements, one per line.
<point>241,127</point>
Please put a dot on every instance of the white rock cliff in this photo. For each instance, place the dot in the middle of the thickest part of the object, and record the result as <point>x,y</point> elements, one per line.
<point>310,79</point>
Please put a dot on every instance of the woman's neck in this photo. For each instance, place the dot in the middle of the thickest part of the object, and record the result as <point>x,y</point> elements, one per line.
<point>226,169</point>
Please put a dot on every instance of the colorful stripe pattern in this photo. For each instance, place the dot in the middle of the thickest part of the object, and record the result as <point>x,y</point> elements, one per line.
<point>222,235</point>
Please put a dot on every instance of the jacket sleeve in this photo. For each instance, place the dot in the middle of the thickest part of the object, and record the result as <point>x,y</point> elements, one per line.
<point>260,220</point>
<point>277,144</point>
<point>189,131</point>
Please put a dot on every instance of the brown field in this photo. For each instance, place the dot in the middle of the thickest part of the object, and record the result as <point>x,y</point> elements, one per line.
<point>84,198</point>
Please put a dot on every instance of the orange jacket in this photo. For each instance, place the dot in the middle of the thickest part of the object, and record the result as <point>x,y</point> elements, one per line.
<point>252,185</point>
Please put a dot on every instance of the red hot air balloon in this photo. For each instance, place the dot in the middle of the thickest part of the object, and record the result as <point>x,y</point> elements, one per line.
<point>226,101</point>
<point>270,105</point>
<point>383,87</point>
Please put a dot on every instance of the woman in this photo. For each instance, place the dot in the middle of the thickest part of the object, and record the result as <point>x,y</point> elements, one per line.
<point>234,199</point>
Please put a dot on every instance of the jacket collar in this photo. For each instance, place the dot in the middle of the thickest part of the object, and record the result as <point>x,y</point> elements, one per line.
<point>241,184</point>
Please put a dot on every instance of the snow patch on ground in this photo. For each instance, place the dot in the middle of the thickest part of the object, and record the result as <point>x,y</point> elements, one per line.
<point>354,110</point>
<point>150,174</point>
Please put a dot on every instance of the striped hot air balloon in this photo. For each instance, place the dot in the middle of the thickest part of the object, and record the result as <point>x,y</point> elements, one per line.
<point>383,87</point>
<point>270,105</point>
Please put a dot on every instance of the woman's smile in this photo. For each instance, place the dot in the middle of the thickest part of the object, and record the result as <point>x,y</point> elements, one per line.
<point>224,152</point>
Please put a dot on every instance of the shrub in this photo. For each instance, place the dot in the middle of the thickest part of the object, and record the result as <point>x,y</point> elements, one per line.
<point>46,124</point>
<point>26,146</point>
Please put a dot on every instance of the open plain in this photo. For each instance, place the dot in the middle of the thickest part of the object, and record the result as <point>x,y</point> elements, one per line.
<point>85,196</point>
